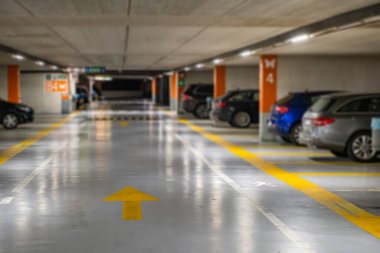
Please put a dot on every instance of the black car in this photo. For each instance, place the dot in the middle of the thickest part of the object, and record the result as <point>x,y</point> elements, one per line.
<point>11,114</point>
<point>240,108</point>
<point>194,99</point>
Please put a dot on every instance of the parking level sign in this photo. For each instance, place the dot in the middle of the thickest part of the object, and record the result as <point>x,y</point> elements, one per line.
<point>56,83</point>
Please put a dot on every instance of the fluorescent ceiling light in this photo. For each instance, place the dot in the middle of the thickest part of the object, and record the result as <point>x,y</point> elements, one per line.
<point>18,57</point>
<point>39,63</point>
<point>169,73</point>
<point>187,69</point>
<point>54,67</point>
<point>103,78</point>
<point>300,38</point>
<point>199,65</point>
<point>217,61</point>
<point>246,53</point>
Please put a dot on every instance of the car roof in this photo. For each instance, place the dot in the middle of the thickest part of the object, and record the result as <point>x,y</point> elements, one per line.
<point>351,95</point>
<point>244,90</point>
<point>314,92</point>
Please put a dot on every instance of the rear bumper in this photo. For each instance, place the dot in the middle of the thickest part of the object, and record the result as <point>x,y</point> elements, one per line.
<point>317,139</point>
<point>220,115</point>
<point>188,106</point>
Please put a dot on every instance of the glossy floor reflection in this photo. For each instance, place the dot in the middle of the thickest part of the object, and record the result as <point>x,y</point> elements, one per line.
<point>51,194</point>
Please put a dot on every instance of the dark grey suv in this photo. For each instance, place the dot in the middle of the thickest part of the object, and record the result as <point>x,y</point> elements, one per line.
<point>341,123</point>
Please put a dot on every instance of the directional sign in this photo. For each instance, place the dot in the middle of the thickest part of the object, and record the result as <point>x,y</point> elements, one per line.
<point>56,83</point>
<point>131,199</point>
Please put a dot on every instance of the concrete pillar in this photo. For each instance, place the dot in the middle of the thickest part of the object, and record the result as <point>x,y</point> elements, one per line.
<point>219,81</point>
<point>173,91</point>
<point>14,90</point>
<point>154,90</point>
<point>268,93</point>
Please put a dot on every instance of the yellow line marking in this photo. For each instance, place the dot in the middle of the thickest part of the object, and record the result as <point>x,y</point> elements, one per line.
<point>21,146</point>
<point>294,153</point>
<point>338,174</point>
<point>337,163</point>
<point>273,147</point>
<point>335,203</point>
<point>124,123</point>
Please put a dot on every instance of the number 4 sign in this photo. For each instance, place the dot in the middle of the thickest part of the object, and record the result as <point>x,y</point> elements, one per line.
<point>268,82</point>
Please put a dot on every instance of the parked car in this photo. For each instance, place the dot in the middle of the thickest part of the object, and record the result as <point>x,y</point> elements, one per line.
<point>341,123</point>
<point>12,114</point>
<point>240,108</point>
<point>286,114</point>
<point>194,99</point>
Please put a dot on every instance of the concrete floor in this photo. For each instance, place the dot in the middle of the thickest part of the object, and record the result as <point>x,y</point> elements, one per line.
<point>220,190</point>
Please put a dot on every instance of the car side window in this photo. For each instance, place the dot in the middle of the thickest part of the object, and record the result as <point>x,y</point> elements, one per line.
<point>205,90</point>
<point>255,96</point>
<point>362,105</point>
<point>374,104</point>
<point>242,96</point>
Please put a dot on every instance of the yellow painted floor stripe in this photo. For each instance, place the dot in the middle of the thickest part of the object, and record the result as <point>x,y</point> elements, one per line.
<point>308,162</point>
<point>124,123</point>
<point>338,174</point>
<point>335,203</point>
<point>21,146</point>
<point>291,153</point>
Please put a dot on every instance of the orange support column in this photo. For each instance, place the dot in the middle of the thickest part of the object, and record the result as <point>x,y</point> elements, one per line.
<point>14,91</point>
<point>154,90</point>
<point>268,93</point>
<point>219,81</point>
<point>173,91</point>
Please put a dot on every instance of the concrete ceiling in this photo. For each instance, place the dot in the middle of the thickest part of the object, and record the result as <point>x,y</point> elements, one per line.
<point>164,34</point>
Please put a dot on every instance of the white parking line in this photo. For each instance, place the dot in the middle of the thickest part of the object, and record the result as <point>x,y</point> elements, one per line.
<point>6,200</point>
<point>290,234</point>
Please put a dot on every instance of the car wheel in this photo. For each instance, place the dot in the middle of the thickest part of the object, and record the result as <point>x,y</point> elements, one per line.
<point>241,119</point>
<point>200,111</point>
<point>338,154</point>
<point>285,139</point>
<point>360,148</point>
<point>10,121</point>
<point>295,134</point>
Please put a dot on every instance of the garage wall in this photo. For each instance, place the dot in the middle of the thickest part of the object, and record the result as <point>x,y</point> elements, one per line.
<point>204,77</point>
<point>34,95</point>
<point>242,77</point>
<point>4,83</point>
<point>349,73</point>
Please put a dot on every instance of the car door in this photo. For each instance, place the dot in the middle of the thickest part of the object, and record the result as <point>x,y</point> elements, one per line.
<point>355,116</point>
<point>254,106</point>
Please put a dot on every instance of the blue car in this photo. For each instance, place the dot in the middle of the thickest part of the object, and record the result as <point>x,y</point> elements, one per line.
<point>286,115</point>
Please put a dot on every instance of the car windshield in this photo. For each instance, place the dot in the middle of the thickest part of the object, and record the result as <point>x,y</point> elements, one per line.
<point>321,105</point>
<point>285,99</point>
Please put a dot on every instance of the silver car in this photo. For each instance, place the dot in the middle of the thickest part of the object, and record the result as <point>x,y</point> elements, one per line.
<point>341,123</point>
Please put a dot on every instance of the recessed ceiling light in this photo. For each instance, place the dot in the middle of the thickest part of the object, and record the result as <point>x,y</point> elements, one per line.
<point>300,38</point>
<point>39,63</point>
<point>199,65</point>
<point>187,68</point>
<point>217,61</point>
<point>246,53</point>
<point>54,67</point>
<point>18,57</point>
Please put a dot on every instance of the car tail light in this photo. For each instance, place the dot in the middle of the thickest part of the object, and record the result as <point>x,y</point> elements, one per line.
<point>221,104</point>
<point>186,97</point>
<point>282,109</point>
<point>323,121</point>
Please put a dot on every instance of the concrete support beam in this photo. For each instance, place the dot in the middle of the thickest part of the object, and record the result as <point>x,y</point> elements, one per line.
<point>219,81</point>
<point>268,93</point>
<point>14,90</point>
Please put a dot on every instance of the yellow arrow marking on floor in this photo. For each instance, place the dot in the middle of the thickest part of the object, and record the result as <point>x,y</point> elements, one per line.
<point>124,123</point>
<point>131,199</point>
